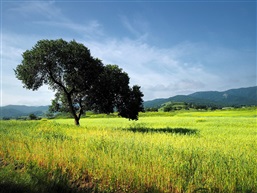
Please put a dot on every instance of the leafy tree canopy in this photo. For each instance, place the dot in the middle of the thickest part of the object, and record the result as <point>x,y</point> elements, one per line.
<point>80,81</point>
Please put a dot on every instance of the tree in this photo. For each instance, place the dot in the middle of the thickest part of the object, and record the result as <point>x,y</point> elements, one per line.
<point>131,108</point>
<point>113,92</point>
<point>168,108</point>
<point>80,81</point>
<point>32,116</point>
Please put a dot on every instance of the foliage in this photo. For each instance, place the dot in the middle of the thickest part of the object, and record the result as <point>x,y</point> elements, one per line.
<point>32,116</point>
<point>78,79</point>
<point>170,106</point>
<point>151,109</point>
<point>173,106</point>
<point>113,92</point>
<point>176,152</point>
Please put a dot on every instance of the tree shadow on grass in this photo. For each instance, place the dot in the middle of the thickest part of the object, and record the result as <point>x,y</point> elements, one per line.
<point>180,131</point>
<point>14,188</point>
<point>9,187</point>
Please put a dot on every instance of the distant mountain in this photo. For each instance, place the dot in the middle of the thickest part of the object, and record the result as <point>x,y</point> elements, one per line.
<point>14,111</point>
<point>233,97</point>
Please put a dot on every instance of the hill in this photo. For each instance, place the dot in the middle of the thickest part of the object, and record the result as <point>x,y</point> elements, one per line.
<point>14,111</point>
<point>232,97</point>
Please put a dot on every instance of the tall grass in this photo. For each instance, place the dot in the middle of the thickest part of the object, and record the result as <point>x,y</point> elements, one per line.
<point>201,152</point>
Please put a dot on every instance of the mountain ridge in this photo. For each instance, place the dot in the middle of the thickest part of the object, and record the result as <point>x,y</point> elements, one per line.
<point>15,111</point>
<point>232,97</point>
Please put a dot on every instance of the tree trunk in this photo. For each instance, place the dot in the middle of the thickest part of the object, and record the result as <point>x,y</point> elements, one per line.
<point>76,120</point>
<point>68,95</point>
<point>73,112</point>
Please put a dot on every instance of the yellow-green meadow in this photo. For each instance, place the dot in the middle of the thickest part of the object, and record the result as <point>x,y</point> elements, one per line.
<point>178,152</point>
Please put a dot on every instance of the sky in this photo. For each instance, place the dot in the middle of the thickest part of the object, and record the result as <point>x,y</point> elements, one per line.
<point>167,47</point>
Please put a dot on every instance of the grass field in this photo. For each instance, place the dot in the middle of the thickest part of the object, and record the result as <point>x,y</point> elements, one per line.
<point>182,152</point>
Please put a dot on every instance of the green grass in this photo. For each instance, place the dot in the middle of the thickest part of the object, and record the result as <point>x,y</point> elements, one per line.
<point>162,152</point>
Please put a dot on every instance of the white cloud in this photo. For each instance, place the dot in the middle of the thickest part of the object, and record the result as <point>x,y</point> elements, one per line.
<point>32,9</point>
<point>45,15</point>
<point>136,26</point>
<point>12,91</point>
<point>161,72</point>
<point>90,29</point>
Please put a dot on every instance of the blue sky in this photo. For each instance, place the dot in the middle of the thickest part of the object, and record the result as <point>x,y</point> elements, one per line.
<point>166,47</point>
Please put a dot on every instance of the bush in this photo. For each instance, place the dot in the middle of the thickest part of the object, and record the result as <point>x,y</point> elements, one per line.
<point>32,117</point>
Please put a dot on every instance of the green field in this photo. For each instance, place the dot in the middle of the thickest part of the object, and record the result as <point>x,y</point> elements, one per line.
<point>179,152</point>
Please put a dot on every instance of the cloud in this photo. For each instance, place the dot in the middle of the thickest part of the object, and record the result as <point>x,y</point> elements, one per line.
<point>137,26</point>
<point>12,91</point>
<point>161,72</point>
<point>181,69</point>
<point>158,71</point>
<point>89,30</point>
<point>45,15</point>
<point>37,9</point>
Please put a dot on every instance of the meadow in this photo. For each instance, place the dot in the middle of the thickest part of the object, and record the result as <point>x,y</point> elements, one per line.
<point>179,152</point>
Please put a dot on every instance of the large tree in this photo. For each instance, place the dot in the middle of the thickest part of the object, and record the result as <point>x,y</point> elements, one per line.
<point>80,81</point>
